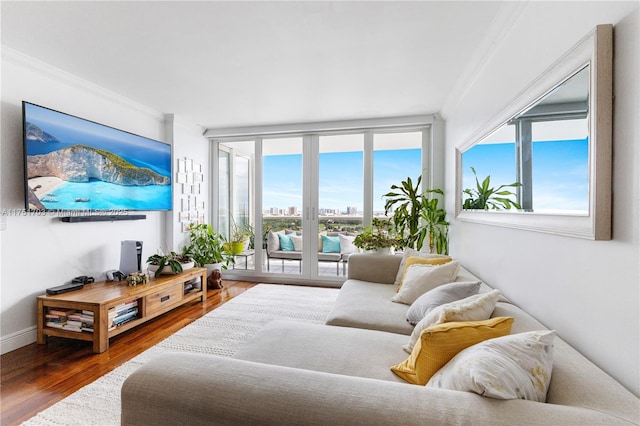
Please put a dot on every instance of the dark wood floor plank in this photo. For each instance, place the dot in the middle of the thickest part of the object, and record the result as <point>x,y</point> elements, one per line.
<point>35,377</point>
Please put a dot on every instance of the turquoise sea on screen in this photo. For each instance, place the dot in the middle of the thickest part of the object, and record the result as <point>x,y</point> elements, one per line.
<point>108,196</point>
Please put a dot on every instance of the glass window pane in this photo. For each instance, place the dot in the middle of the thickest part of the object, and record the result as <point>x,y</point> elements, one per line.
<point>396,156</point>
<point>340,188</point>
<point>224,193</point>
<point>561,165</point>
<point>281,201</point>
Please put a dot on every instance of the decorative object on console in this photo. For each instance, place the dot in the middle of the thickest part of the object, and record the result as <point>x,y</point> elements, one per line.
<point>136,278</point>
<point>169,264</point>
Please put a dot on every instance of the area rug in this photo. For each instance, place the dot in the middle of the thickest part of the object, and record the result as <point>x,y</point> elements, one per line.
<point>221,332</point>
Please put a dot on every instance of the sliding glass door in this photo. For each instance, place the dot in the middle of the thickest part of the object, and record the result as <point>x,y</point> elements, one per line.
<point>311,195</point>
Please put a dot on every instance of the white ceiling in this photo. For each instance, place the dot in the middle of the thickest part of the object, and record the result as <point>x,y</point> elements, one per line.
<point>223,64</point>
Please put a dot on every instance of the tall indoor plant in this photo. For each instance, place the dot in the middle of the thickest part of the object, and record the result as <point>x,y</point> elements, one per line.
<point>417,216</point>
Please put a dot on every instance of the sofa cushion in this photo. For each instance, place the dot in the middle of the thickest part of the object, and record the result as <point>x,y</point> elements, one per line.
<point>273,241</point>
<point>419,260</point>
<point>510,367</point>
<point>473,308</point>
<point>409,252</point>
<point>438,344</point>
<point>418,279</point>
<point>285,242</point>
<point>330,244</point>
<point>364,304</point>
<point>318,347</point>
<point>346,244</point>
<point>296,240</point>
<point>440,295</point>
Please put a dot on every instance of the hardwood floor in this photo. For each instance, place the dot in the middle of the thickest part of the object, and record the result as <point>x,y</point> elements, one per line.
<point>35,377</point>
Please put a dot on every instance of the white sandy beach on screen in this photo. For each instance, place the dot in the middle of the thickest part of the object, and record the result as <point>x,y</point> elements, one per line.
<point>46,184</point>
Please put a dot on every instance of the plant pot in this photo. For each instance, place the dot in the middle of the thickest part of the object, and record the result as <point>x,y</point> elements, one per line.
<point>237,247</point>
<point>383,250</point>
<point>167,269</point>
<point>211,266</point>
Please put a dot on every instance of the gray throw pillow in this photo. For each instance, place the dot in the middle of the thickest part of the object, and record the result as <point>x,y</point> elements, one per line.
<point>440,295</point>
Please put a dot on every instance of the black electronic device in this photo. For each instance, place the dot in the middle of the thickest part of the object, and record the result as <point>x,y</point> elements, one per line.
<point>102,218</point>
<point>65,288</point>
<point>83,279</point>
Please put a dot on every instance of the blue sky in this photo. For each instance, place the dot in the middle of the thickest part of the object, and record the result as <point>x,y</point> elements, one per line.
<point>560,171</point>
<point>341,178</point>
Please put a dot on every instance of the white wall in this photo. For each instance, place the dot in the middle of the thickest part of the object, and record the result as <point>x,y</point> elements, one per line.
<point>40,252</point>
<point>194,146</point>
<point>587,290</point>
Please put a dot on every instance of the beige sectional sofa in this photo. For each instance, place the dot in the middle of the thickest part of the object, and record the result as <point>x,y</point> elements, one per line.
<point>339,373</point>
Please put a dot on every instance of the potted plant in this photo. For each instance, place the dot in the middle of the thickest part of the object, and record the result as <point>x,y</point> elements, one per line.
<point>207,248</point>
<point>484,197</point>
<point>417,217</point>
<point>376,237</point>
<point>238,237</point>
<point>171,263</point>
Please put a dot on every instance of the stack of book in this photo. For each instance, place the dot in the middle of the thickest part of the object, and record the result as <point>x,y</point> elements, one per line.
<point>123,313</point>
<point>83,319</point>
<point>69,319</point>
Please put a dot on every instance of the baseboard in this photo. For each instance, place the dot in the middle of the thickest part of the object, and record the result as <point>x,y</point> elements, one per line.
<point>18,339</point>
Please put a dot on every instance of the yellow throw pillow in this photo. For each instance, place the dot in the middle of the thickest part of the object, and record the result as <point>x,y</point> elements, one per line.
<point>438,344</point>
<point>415,260</point>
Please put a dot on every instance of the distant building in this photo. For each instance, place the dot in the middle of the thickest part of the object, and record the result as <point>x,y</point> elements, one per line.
<point>293,211</point>
<point>352,210</point>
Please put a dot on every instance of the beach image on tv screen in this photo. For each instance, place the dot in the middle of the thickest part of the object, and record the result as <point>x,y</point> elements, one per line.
<point>75,164</point>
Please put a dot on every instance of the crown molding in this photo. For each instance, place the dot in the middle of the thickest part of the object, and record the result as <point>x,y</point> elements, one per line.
<point>496,34</point>
<point>20,59</point>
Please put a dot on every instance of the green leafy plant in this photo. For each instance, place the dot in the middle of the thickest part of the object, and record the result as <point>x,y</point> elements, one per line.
<point>206,246</point>
<point>435,225</point>
<point>416,216</point>
<point>378,235</point>
<point>173,260</point>
<point>485,197</point>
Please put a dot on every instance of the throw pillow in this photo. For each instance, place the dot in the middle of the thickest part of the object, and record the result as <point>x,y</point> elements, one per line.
<point>438,344</point>
<point>297,242</point>
<point>409,252</point>
<point>440,295</point>
<point>346,244</point>
<point>330,244</point>
<point>418,260</point>
<point>273,242</point>
<point>510,367</point>
<point>285,242</point>
<point>421,278</point>
<point>473,308</point>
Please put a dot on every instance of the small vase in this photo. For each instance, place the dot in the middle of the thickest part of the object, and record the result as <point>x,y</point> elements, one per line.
<point>383,250</point>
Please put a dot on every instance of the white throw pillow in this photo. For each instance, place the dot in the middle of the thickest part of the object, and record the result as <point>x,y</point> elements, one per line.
<point>440,295</point>
<point>517,366</point>
<point>346,244</point>
<point>297,242</point>
<point>418,279</point>
<point>478,307</point>
<point>409,252</point>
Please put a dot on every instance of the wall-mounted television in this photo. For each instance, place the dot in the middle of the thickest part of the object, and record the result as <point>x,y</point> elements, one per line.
<point>72,164</point>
